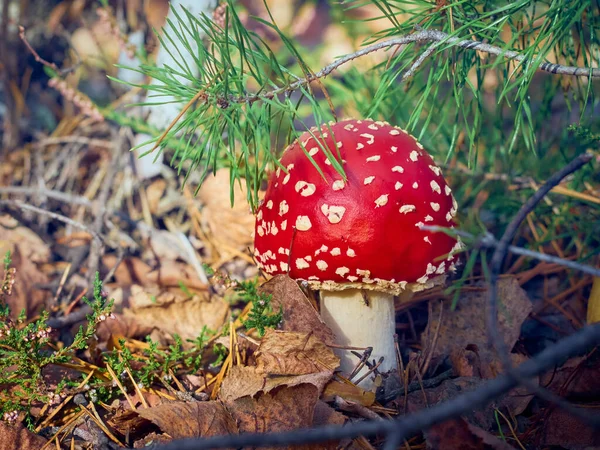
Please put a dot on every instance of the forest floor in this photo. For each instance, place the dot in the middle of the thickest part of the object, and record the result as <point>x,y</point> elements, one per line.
<point>166,342</point>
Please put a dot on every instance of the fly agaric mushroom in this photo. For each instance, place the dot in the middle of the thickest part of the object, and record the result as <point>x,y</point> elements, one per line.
<point>358,239</point>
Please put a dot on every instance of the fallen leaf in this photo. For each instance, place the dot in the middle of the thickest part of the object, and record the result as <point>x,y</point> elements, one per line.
<point>349,392</point>
<point>577,378</point>
<point>289,353</point>
<point>27,250</point>
<point>172,313</point>
<point>195,419</point>
<point>283,409</point>
<point>483,418</point>
<point>466,325</point>
<point>298,313</point>
<point>229,225</point>
<point>565,430</point>
<point>155,193</point>
<point>458,434</point>
<point>245,381</point>
<point>17,437</point>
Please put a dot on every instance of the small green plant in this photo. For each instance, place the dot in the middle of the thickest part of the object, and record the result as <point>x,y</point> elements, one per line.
<point>261,316</point>
<point>26,349</point>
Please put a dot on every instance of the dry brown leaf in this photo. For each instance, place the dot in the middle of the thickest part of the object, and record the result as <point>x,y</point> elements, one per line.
<point>17,437</point>
<point>458,434</point>
<point>27,250</point>
<point>232,226</point>
<point>349,392</point>
<point>298,313</point>
<point>449,389</point>
<point>466,325</point>
<point>285,408</point>
<point>244,381</point>
<point>564,430</point>
<point>175,314</point>
<point>175,273</point>
<point>155,192</point>
<point>577,377</point>
<point>288,353</point>
<point>197,419</point>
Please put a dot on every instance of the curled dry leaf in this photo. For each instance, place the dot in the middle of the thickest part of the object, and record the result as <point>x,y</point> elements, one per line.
<point>17,437</point>
<point>196,419</point>
<point>172,313</point>
<point>244,381</point>
<point>228,225</point>
<point>287,353</point>
<point>298,312</point>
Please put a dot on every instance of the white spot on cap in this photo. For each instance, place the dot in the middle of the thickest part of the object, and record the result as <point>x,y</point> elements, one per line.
<point>398,185</point>
<point>419,224</point>
<point>333,213</point>
<point>283,225</point>
<point>373,158</point>
<point>448,216</point>
<point>368,136</point>
<point>351,253</point>
<point>284,266</point>
<point>278,172</point>
<point>261,231</point>
<point>394,149</point>
<point>274,229</point>
<point>430,269</point>
<point>435,206</point>
<point>428,218</point>
<point>436,170</point>
<point>394,132</point>
<point>307,189</point>
<point>351,278</point>
<point>283,207</point>
<point>373,127</point>
<point>415,185</point>
<point>313,151</point>
<point>435,187</point>
<point>341,271</point>
<point>259,215</point>
<point>426,239</point>
<point>414,155</point>
<point>303,223</point>
<point>281,251</point>
<point>339,144</point>
<point>447,190</point>
<point>419,145</point>
<point>286,179</point>
<point>324,248</point>
<point>327,161</point>
<point>336,251</point>
<point>308,258</point>
<point>381,200</point>
<point>454,204</point>
<point>290,167</point>
<point>301,263</point>
<point>359,146</point>
<point>338,185</point>
<point>405,209</point>
<point>270,204</point>
<point>322,265</point>
<point>368,180</point>
<point>348,126</point>
<point>398,169</point>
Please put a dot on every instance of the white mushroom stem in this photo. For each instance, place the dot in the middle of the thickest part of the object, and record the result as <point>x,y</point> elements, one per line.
<point>361,318</point>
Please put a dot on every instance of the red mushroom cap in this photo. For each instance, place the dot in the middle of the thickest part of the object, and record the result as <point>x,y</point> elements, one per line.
<point>362,231</point>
